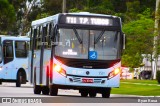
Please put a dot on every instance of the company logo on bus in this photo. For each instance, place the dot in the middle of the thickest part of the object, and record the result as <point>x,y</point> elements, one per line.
<point>87,72</point>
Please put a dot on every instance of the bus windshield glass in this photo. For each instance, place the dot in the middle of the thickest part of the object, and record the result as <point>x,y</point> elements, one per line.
<point>88,44</point>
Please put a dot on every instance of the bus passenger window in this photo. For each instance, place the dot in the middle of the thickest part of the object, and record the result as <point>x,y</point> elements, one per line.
<point>21,49</point>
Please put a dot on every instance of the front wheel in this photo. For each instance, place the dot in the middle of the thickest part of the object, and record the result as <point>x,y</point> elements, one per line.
<point>92,93</point>
<point>84,93</point>
<point>106,92</point>
<point>53,90</point>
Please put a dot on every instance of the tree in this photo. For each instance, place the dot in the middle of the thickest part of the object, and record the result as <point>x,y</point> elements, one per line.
<point>139,41</point>
<point>7,18</point>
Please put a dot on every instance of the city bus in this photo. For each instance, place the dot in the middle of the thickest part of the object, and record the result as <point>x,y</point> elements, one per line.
<point>14,59</point>
<point>79,51</point>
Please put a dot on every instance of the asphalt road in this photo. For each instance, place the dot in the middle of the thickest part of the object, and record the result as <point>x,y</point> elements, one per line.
<point>25,95</point>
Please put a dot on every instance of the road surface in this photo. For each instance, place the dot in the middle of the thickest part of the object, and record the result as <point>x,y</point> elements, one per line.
<point>25,94</point>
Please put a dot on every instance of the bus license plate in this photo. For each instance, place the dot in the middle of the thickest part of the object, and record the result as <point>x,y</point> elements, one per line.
<point>84,80</point>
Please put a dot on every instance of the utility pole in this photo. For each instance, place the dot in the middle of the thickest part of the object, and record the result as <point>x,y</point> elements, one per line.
<point>64,6</point>
<point>156,33</point>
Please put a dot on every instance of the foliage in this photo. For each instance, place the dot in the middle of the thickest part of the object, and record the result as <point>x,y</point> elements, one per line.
<point>139,41</point>
<point>158,76</point>
<point>7,14</point>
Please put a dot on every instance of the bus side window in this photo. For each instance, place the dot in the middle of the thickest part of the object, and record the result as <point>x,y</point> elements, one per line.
<point>34,39</point>
<point>48,37</point>
<point>8,51</point>
<point>39,38</point>
<point>20,49</point>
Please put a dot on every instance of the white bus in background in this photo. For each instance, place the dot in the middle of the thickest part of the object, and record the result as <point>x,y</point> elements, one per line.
<point>14,59</point>
<point>79,51</point>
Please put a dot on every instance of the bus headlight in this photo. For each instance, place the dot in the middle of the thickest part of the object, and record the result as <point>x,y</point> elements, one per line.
<point>59,69</point>
<point>113,73</point>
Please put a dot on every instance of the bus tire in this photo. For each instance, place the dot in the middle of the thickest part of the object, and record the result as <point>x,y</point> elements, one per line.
<point>45,90</point>
<point>0,82</point>
<point>106,93</point>
<point>53,90</point>
<point>36,88</point>
<point>19,79</point>
<point>84,93</point>
<point>92,93</point>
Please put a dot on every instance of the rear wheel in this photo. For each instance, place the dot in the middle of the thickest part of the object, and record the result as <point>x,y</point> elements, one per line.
<point>53,90</point>
<point>19,79</point>
<point>36,88</point>
<point>106,93</point>
<point>0,82</point>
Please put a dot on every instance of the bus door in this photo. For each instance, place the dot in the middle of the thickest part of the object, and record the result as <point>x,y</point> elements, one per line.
<point>31,54</point>
<point>41,58</point>
<point>8,58</point>
<point>41,54</point>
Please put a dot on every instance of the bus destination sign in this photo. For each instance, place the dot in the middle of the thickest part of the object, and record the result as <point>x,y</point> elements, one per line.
<point>89,21</point>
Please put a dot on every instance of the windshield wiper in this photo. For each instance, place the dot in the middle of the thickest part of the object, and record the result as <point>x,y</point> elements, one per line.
<point>99,37</point>
<point>77,35</point>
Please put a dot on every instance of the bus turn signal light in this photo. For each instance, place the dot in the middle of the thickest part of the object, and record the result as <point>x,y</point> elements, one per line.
<point>59,69</point>
<point>113,73</point>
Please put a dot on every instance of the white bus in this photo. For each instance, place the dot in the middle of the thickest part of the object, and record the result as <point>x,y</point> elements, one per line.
<point>80,51</point>
<point>13,59</point>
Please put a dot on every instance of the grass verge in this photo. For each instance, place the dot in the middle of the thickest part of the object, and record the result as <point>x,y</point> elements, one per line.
<point>138,87</point>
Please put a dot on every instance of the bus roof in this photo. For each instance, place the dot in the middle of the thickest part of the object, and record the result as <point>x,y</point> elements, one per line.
<point>8,37</point>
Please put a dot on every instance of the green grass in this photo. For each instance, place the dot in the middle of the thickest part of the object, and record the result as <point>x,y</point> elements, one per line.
<point>141,81</point>
<point>138,87</point>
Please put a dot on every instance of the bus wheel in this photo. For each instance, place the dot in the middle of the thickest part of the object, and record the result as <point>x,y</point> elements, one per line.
<point>106,92</point>
<point>92,93</point>
<point>0,82</point>
<point>19,79</point>
<point>84,93</point>
<point>36,88</point>
<point>53,90</point>
<point>45,90</point>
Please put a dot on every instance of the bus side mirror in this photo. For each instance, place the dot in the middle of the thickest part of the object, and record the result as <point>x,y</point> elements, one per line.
<point>124,41</point>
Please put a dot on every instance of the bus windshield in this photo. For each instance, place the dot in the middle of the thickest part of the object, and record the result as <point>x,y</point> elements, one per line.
<point>81,44</point>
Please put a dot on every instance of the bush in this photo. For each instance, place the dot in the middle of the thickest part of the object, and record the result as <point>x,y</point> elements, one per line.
<point>158,76</point>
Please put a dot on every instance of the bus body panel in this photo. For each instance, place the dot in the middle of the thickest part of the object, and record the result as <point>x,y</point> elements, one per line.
<point>8,71</point>
<point>36,65</point>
